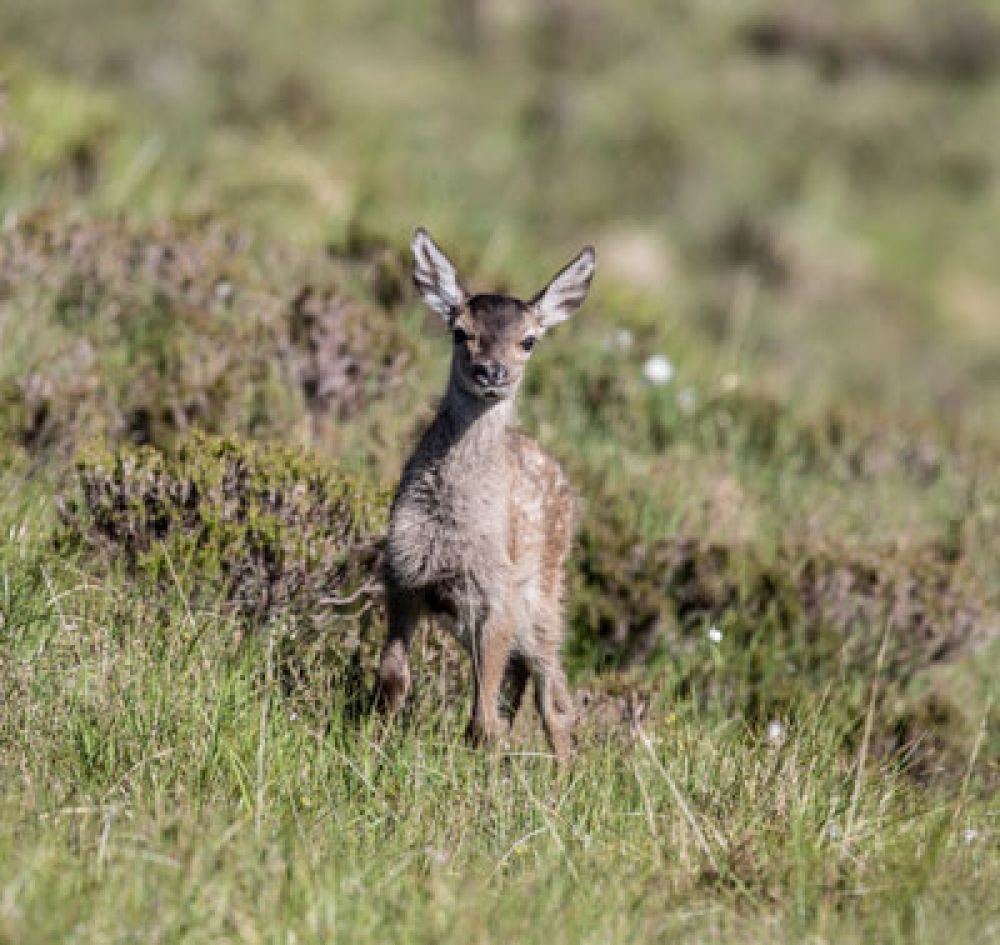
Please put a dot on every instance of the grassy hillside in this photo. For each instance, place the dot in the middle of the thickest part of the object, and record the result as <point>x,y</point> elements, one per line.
<point>784,609</point>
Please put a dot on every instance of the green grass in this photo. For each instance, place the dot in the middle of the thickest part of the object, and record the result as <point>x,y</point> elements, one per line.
<point>157,784</point>
<point>158,781</point>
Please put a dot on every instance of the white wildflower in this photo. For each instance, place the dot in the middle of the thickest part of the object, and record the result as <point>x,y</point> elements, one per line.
<point>658,369</point>
<point>224,291</point>
<point>775,732</point>
<point>714,634</point>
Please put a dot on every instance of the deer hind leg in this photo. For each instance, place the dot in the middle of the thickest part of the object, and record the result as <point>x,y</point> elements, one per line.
<point>403,609</point>
<point>555,706</point>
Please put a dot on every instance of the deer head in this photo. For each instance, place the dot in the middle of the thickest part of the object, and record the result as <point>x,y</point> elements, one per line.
<point>494,335</point>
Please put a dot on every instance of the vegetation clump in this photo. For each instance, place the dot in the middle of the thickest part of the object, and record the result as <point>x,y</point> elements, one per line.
<point>269,531</point>
<point>959,43</point>
<point>759,634</point>
<point>142,334</point>
<point>269,535</point>
<point>625,591</point>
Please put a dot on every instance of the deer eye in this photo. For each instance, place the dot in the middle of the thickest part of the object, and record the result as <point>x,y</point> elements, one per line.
<point>528,343</point>
<point>460,335</point>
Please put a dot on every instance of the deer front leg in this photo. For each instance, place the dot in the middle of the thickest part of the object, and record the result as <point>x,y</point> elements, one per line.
<point>403,611</point>
<point>489,660</point>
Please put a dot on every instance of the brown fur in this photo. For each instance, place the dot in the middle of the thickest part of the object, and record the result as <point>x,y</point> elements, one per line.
<point>482,519</point>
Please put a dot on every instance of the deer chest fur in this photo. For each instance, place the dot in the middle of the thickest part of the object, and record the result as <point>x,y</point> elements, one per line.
<point>449,522</point>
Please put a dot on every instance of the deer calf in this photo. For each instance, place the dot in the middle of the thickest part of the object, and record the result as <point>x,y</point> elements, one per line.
<point>482,519</point>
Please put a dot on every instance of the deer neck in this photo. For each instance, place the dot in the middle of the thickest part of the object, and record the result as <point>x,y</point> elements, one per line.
<point>475,428</point>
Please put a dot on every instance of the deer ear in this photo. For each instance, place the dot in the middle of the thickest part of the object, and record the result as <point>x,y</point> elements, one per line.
<point>566,292</point>
<point>435,277</point>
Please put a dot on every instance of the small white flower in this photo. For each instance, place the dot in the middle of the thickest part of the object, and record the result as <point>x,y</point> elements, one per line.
<point>714,634</point>
<point>970,835</point>
<point>775,732</point>
<point>224,291</point>
<point>658,369</point>
<point>623,339</point>
<point>687,399</point>
<point>293,716</point>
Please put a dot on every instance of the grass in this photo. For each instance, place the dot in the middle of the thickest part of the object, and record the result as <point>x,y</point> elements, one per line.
<point>784,615</point>
<point>155,780</point>
<point>158,780</point>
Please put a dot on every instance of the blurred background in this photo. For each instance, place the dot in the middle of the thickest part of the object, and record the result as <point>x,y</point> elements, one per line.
<point>824,174</point>
<point>793,344</point>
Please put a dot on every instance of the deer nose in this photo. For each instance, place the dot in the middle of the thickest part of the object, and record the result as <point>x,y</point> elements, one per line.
<point>490,373</point>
